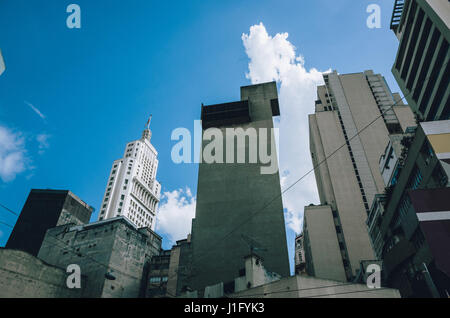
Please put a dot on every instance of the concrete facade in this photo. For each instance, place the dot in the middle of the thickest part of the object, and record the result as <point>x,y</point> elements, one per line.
<point>421,66</point>
<point>322,250</point>
<point>45,209</point>
<point>311,287</point>
<point>23,275</point>
<point>256,282</point>
<point>169,272</point>
<point>348,133</point>
<point>113,255</point>
<point>230,194</point>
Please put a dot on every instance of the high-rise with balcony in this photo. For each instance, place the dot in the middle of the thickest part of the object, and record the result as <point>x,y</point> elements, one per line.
<point>132,189</point>
<point>421,67</point>
<point>349,131</point>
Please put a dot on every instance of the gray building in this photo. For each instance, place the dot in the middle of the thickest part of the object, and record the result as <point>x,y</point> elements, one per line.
<point>421,67</point>
<point>169,271</point>
<point>236,199</point>
<point>113,254</point>
<point>255,281</point>
<point>349,132</point>
<point>299,258</point>
<point>45,209</point>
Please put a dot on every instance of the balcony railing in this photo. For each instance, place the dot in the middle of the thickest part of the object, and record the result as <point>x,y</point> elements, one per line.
<point>397,14</point>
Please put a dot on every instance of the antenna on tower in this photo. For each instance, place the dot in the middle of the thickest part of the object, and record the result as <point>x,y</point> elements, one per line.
<point>148,122</point>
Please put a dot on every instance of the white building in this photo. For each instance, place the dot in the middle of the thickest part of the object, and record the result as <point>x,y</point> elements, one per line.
<point>132,189</point>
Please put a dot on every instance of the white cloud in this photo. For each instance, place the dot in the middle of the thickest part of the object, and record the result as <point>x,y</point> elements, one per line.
<point>275,59</point>
<point>43,144</point>
<point>35,109</point>
<point>2,63</point>
<point>176,210</point>
<point>13,158</point>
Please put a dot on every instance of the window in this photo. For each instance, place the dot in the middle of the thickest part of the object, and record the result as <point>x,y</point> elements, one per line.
<point>439,176</point>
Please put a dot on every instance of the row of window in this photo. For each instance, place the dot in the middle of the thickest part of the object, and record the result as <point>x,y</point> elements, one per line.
<point>158,279</point>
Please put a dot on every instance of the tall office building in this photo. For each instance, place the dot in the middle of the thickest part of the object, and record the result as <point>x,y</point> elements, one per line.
<point>413,247</point>
<point>45,209</point>
<point>422,67</point>
<point>132,189</point>
<point>239,209</point>
<point>348,176</point>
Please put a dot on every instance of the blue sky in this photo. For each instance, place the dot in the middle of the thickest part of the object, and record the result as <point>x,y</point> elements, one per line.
<point>93,88</point>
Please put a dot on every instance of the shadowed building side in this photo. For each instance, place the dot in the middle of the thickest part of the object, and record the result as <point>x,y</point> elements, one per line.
<point>236,199</point>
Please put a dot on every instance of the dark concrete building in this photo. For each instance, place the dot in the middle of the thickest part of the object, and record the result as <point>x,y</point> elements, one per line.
<point>45,209</point>
<point>167,272</point>
<point>422,67</point>
<point>237,200</point>
<point>113,255</point>
<point>409,224</point>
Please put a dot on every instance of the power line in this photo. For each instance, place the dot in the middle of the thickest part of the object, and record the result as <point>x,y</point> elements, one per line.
<point>314,168</point>
<point>314,288</point>
<point>294,183</point>
<point>302,177</point>
<point>311,288</point>
<point>6,224</point>
<point>9,210</point>
<point>77,253</point>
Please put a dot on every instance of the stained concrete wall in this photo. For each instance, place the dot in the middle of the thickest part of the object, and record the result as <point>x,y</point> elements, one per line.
<point>113,246</point>
<point>311,287</point>
<point>23,275</point>
<point>228,196</point>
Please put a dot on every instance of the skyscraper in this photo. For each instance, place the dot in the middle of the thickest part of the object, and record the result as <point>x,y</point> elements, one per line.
<point>239,209</point>
<point>422,67</point>
<point>132,189</point>
<point>348,175</point>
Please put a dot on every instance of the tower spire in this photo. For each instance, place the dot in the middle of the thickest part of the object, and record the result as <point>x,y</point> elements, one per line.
<point>148,122</point>
<point>147,134</point>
